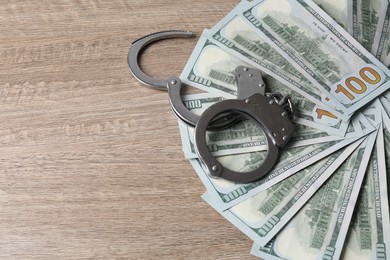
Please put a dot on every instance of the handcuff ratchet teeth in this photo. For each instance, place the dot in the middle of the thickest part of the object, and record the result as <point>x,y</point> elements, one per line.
<point>270,111</point>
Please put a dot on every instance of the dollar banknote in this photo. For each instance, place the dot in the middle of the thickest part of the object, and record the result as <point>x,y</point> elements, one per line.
<point>210,68</point>
<point>368,237</point>
<point>385,99</point>
<point>337,9</point>
<point>320,49</point>
<point>235,36</point>
<point>227,194</point>
<point>381,47</point>
<point>263,215</point>
<point>319,229</point>
<point>246,136</point>
<point>386,138</point>
<point>363,20</point>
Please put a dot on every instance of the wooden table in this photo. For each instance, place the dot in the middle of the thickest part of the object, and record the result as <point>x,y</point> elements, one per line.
<point>91,162</point>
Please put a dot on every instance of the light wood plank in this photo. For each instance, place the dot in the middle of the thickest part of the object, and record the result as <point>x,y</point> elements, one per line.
<point>91,162</point>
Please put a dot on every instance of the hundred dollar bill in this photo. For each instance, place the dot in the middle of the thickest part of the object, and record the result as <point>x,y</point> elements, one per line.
<point>385,100</point>
<point>211,69</point>
<point>363,20</point>
<point>381,47</point>
<point>263,215</point>
<point>227,194</point>
<point>337,9</point>
<point>368,237</point>
<point>320,49</point>
<point>246,136</point>
<point>319,229</point>
<point>386,134</point>
<point>385,105</point>
<point>233,35</point>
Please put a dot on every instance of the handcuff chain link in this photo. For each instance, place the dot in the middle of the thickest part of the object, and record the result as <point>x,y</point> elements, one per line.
<point>284,101</point>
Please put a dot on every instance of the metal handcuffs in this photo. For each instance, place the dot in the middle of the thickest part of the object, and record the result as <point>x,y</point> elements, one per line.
<point>271,112</point>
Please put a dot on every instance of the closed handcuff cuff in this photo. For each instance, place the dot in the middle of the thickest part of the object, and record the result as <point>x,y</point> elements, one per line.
<point>271,112</point>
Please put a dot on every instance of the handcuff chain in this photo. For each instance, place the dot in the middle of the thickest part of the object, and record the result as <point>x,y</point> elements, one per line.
<point>284,101</point>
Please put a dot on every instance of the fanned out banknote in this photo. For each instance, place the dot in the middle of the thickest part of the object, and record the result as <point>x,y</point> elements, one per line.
<point>385,100</point>
<point>261,216</point>
<point>235,36</point>
<point>327,196</point>
<point>319,229</point>
<point>368,236</point>
<point>337,9</point>
<point>381,46</point>
<point>326,231</point>
<point>211,68</point>
<point>363,18</point>
<point>368,21</point>
<point>227,194</point>
<point>247,136</point>
<point>320,49</point>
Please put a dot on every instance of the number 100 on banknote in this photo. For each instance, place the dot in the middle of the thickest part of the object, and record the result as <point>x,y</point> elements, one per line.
<point>355,87</point>
<point>320,49</point>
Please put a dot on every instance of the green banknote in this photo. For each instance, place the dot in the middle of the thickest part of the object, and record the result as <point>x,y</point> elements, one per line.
<point>246,136</point>
<point>320,49</point>
<point>381,47</point>
<point>385,100</point>
<point>386,138</point>
<point>227,194</point>
<point>319,229</point>
<point>235,36</point>
<point>386,133</point>
<point>363,20</point>
<point>263,215</point>
<point>337,9</point>
<point>211,68</point>
<point>368,237</point>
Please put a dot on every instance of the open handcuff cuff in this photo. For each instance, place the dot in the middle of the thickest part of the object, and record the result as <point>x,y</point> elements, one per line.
<point>271,111</point>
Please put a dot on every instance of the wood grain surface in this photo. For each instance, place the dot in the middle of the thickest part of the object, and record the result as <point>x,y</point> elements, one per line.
<point>90,160</point>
